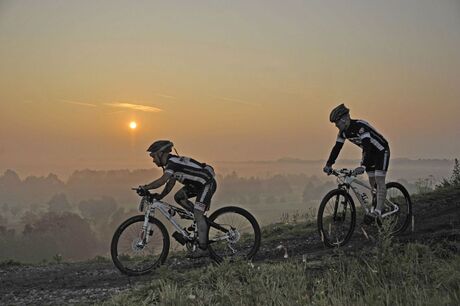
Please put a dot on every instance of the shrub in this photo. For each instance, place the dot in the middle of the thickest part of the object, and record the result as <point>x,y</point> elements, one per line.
<point>454,180</point>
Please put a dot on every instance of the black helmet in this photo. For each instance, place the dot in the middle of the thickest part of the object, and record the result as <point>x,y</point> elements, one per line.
<point>160,146</point>
<point>338,112</point>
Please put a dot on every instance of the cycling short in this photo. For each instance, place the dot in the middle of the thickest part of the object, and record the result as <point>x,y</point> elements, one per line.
<point>203,193</point>
<point>379,162</point>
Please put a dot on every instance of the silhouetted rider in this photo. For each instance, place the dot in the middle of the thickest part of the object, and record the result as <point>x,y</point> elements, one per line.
<point>198,179</point>
<point>376,151</point>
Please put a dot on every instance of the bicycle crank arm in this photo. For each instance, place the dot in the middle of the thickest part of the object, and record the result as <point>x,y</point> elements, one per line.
<point>394,211</point>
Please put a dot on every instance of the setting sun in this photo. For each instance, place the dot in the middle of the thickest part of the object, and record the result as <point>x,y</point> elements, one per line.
<point>133,125</point>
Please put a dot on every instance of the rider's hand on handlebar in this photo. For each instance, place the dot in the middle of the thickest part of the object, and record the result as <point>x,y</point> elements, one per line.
<point>142,191</point>
<point>327,169</point>
<point>359,170</point>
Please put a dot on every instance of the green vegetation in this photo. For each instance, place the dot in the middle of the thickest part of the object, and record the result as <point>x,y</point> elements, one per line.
<point>389,274</point>
<point>427,185</point>
<point>9,263</point>
<point>100,259</point>
<point>57,258</point>
<point>281,231</point>
<point>454,180</point>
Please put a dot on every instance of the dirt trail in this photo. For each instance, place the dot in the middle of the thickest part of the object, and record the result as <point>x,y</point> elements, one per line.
<point>436,216</point>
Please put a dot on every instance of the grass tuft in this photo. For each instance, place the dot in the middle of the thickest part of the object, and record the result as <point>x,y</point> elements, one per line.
<point>389,274</point>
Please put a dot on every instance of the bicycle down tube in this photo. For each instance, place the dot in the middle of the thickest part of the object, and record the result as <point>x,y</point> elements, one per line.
<point>164,209</point>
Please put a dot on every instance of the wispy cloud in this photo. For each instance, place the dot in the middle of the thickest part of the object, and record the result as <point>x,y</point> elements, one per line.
<point>239,101</point>
<point>78,103</point>
<point>138,107</point>
<point>165,96</point>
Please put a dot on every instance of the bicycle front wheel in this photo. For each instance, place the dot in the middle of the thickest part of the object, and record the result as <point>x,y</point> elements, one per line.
<point>398,195</point>
<point>233,233</point>
<point>336,218</point>
<point>132,253</point>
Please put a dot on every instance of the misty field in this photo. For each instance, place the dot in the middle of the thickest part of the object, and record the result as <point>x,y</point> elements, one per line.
<point>40,217</point>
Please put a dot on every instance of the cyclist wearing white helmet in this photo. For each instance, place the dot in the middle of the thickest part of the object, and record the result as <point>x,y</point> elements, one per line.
<point>198,179</point>
<point>376,151</point>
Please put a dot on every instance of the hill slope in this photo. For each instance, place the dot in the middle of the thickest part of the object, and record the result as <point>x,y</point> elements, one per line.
<point>437,217</point>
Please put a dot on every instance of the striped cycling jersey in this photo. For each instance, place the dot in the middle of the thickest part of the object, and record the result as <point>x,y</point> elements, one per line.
<point>189,171</point>
<point>360,130</point>
<point>362,134</point>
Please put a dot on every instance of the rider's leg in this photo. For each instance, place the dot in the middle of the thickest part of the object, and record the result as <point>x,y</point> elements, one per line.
<point>182,198</point>
<point>203,201</point>
<point>380,175</point>
<point>370,169</point>
<point>381,190</point>
<point>371,176</point>
<point>201,224</point>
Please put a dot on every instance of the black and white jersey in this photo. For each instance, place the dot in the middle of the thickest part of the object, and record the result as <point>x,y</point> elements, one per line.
<point>362,134</point>
<point>189,171</point>
<point>360,130</point>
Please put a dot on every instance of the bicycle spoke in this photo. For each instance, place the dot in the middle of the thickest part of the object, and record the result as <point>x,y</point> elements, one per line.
<point>336,219</point>
<point>136,256</point>
<point>239,239</point>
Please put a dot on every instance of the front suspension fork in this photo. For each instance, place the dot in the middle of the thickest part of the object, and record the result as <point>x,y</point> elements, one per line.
<point>147,230</point>
<point>340,217</point>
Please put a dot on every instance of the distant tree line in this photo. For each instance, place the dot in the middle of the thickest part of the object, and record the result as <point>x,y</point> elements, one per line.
<point>42,217</point>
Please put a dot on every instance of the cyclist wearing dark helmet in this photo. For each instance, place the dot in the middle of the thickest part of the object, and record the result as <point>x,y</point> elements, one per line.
<point>197,178</point>
<point>376,151</point>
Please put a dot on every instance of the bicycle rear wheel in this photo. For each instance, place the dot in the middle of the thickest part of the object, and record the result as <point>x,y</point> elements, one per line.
<point>336,218</point>
<point>130,255</point>
<point>398,195</point>
<point>233,233</point>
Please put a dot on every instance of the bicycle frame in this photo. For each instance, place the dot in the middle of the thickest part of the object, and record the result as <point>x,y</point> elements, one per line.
<point>165,209</point>
<point>349,181</point>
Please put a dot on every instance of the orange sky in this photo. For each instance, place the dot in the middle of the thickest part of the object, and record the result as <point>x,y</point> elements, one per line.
<point>225,80</point>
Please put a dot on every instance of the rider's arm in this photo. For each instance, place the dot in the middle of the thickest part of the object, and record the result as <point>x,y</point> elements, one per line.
<point>169,186</point>
<point>335,150</point>
<point>159,182</point>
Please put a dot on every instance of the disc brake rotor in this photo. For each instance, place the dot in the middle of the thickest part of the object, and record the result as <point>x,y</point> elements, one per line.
<point>137,245</point>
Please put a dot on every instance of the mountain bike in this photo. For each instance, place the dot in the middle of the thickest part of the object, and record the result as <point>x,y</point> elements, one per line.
<point>337,212</point>
<point>141,243</point>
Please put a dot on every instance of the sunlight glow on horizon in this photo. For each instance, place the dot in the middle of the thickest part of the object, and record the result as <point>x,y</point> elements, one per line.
<point>259,84</point>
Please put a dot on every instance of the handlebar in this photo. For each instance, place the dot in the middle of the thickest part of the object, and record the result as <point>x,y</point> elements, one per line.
<point>145,193</point>
<point>344,172</point>
<point>142,192</point>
